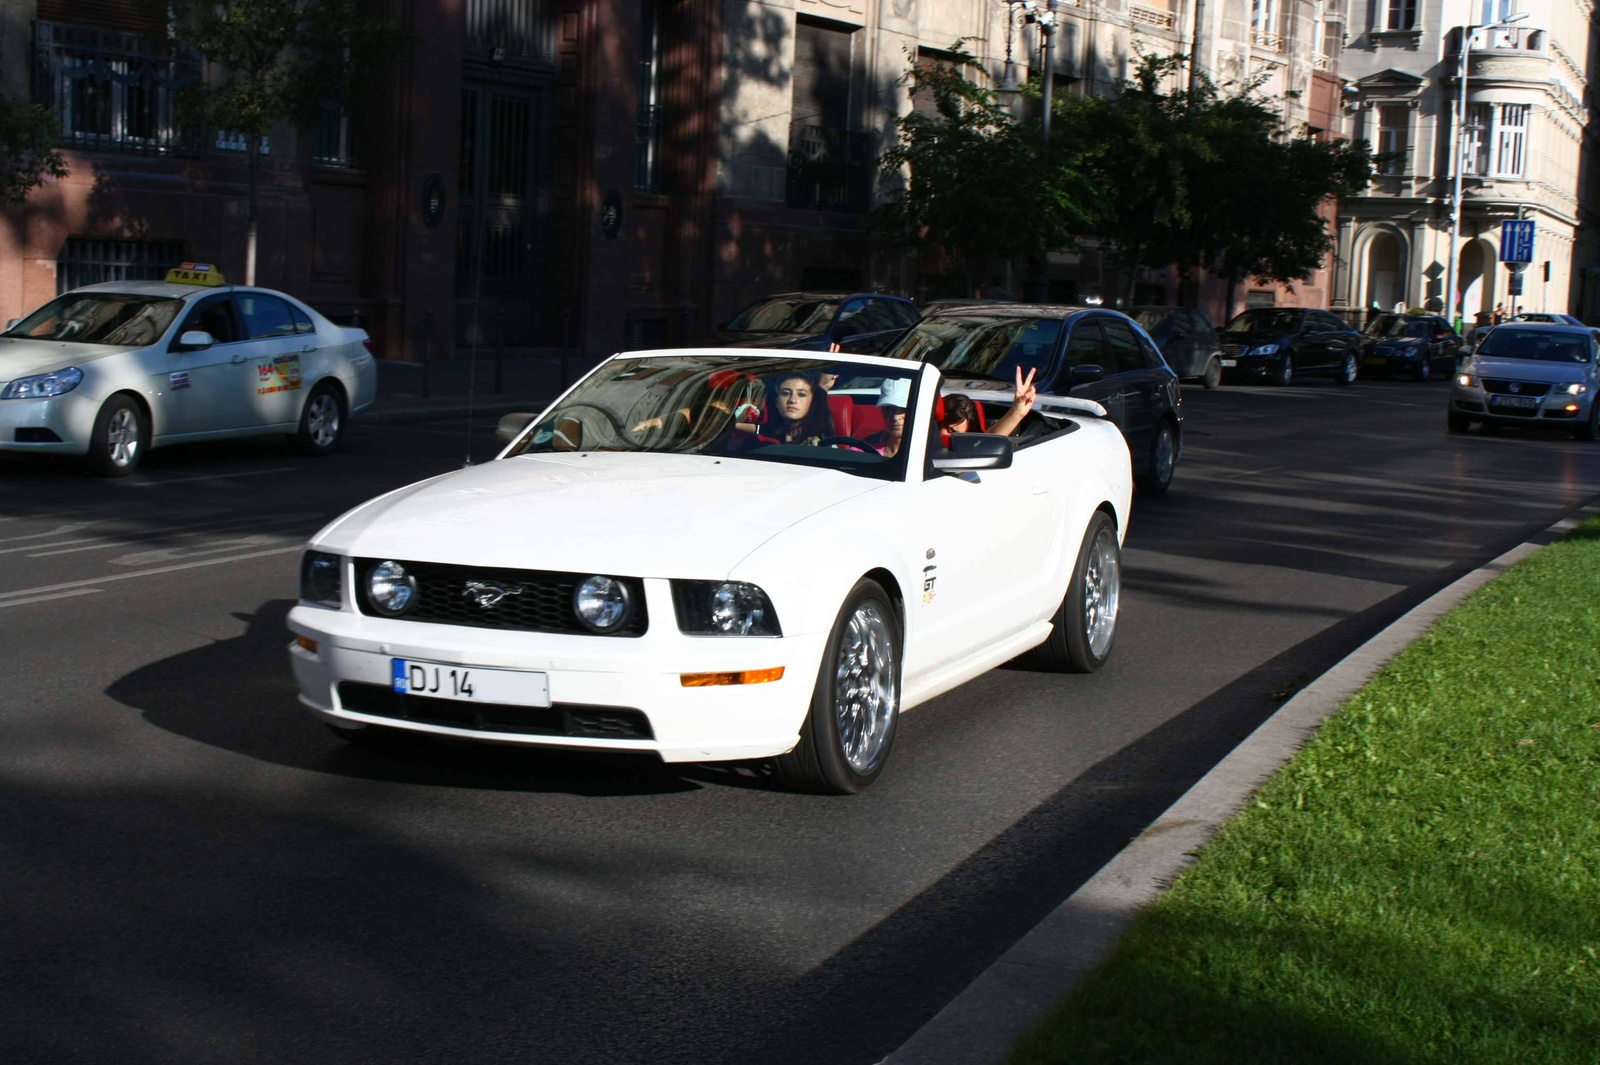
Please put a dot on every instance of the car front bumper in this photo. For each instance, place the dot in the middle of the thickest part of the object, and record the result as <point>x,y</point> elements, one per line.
<point>1250,365</point>
<point>593,681</point>
<point>1474,401</point>
<point>58,425</point>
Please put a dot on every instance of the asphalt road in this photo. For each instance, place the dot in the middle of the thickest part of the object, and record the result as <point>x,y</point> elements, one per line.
<point>191,870</point>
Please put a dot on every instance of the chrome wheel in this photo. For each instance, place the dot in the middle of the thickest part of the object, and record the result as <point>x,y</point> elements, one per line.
<point>322,420</point>
<point>122,437</point>
<point>1350,369</point>
<point>865,698</point>
<point>1162,465</point>
<point>1102,588</point>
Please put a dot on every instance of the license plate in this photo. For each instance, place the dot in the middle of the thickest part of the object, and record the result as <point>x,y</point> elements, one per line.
<point>435,680</point>
<point>1514,401</point>
<point>1377,360</point>
<point>1230,362</point>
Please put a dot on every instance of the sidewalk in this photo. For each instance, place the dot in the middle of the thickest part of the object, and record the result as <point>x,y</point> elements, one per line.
<point>409,391</point>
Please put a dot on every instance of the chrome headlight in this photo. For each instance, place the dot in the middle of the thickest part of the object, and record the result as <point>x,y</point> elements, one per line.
<point>390,589</point>
<point>602,603</point>
<point>45,384</point>
<point>1265,349</point>
<point>322,579</point>
<point>1572,389</point>
<point>723,608</point>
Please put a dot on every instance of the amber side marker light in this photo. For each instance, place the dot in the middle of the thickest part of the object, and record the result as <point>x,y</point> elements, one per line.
<point>306,643</point>
<point>748,676</point>
<point>1572,408</point>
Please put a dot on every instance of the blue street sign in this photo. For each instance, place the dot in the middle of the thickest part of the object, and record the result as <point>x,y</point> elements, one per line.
<point>1516,241</point>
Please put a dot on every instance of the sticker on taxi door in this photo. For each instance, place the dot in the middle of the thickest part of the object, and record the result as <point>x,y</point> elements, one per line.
<point>281,374</point>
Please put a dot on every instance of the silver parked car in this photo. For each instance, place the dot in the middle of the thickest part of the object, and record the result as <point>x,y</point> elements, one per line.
<point>109,371</point>
<point>1530,374</point>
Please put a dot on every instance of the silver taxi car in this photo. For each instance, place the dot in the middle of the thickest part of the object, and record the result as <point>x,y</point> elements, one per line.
<point>110,371</point>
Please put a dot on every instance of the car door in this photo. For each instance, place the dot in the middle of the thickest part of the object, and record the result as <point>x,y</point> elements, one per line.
<point>1087,346</point>
<point>277,350</point>
<point>1310,350</point>
<point>209,389</point>
<point>1205,337</point>
<point>1341,339</point>
<point>1135,382</point>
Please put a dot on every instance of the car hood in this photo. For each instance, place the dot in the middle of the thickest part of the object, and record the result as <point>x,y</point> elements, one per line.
<point>20,357</point>
<point>1529,369</point>
<point>618,513</point>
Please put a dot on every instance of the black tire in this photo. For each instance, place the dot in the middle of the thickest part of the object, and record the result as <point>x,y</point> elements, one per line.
<point>1284,373</point>
<point>819,762</point>
<point>1213,375</point>
<point>1158,470</point>
<point>321,421</point>
<point>1346,374</point>
<point>1456,422</point>
<point>119,438</point>
<point>1424,370</point>
<point>1070,648</point>
<point>1588,431</point>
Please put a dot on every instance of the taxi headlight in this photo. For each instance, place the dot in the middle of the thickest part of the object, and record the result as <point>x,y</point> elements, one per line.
<point>390,589</point>
<point>602,603</point>
<point>723,608</point>
<point>45,384</point>
<point>322,579</point>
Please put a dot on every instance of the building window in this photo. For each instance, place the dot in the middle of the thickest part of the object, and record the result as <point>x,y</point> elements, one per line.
<point>507,30</point>
<point>113,91</point>
<point>1402,15</point>
<point>90,261</point>
<point>1475,137</point>
<point>1511,139</point>
<point>828,164</point>
<point>647,132</point>
<point>1264,24</point>
<point>1394,121</point>
<point>230,141</point>
<point>331,141</point>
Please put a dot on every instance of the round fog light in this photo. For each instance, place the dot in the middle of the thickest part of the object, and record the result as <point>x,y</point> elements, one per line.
<point>390,589</point>
<point>601,603</point>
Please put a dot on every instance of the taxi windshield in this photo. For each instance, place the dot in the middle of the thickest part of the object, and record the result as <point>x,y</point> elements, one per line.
<point>1544,345</point>
<point>814,412</point>
<point>100,318</point>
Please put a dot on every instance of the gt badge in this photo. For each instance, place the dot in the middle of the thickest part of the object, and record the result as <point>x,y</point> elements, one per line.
<point>930,576</point>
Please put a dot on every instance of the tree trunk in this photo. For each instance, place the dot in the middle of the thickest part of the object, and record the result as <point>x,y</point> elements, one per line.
<point>253,167</point>
<point>1227,306</point>
<point>1133,265</point>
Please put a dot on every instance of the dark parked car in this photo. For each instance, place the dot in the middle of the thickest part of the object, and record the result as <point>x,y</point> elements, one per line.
<point>1282,343</point>
<point>1087,352</point>
<point>1530,373</point>
<point>1415,345</point>
<point>812,321</point>
<point>1187,339</point>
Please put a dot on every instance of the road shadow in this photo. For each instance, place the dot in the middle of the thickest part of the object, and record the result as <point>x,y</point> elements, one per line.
<point>239,695</point>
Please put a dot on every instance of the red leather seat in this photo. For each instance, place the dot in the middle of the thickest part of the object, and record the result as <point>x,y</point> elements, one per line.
<point>843,410</point>
<point>865,420</point>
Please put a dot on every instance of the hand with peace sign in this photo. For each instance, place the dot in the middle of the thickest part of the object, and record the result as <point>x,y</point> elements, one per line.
<point>1026,395</point>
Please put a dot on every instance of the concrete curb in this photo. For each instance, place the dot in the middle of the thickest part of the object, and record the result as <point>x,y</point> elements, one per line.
<point>980,1025</point>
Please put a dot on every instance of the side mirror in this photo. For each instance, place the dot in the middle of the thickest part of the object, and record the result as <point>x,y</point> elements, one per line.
<point>12,323</point>
<point>1086,374</point>
<point>196,338</point>
<point>974,451</point>
<point>510,427</point>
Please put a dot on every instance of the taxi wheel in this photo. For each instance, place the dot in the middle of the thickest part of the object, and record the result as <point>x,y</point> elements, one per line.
<point>321,421</point>
<point>119,439</point>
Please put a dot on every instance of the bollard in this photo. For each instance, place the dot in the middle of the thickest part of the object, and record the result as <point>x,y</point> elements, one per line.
<point>500,354</point>
<point>427,355</point>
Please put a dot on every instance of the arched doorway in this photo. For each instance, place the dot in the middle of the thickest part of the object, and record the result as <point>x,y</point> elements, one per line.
<point>1385,271</point>
<point>1476,279</point>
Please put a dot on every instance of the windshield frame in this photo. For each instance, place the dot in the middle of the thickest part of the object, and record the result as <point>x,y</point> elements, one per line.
<point>763,367</point>
<point>53,307</point>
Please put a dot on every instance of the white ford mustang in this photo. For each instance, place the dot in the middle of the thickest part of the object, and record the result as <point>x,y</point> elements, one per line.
<point>721,555</point>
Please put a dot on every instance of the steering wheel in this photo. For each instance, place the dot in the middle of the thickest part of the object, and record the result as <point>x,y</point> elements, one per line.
<point>849,441</point>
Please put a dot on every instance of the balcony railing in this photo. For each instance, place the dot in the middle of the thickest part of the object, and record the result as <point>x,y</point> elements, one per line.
<point>829,170</point>
<point>1150,16</point>
<point>1320,61</point>
<point>113,91</point>
<point>1263,39</point>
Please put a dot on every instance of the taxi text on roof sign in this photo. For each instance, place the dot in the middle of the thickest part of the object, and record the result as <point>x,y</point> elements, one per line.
<point>195,274</point>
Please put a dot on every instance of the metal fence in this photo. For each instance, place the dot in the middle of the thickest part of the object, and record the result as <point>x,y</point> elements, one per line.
<point>89,261</point>
<point>114,91</point>
<point>829,170</point>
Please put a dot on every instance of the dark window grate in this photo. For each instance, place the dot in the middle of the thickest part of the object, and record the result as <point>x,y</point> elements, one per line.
<point>114,91</point>
<point>543,605</point>
<point>90,261</point>
<point>559,719</point>
<point>508,30</point>
<point>829,170</point>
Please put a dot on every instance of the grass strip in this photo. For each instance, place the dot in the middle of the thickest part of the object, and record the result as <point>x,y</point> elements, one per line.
<point>1421,883</point>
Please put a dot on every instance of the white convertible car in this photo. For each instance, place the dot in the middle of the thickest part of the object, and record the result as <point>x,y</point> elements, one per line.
<point>721,555</point>
<point>109,371</point>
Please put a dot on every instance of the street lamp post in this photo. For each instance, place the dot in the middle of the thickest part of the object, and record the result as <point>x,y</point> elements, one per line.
<point>1467,33</point>
<point>1039,283</point>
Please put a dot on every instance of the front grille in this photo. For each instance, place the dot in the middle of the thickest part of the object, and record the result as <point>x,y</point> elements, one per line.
<point>559,719</point>
<point>543,605</point>
<point>1524,388</point>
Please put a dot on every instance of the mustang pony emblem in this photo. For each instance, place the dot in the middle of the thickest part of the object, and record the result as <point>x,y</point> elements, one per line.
<point>489,593</point>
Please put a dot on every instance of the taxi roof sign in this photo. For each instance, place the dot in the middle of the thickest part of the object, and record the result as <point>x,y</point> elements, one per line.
<point>195,274</point>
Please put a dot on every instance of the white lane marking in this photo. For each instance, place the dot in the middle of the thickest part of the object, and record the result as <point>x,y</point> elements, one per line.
<point>105,542</point>
<point>6,597</point>
<point>207,477</point>
<point>172,554</point>
<point>46,598</point>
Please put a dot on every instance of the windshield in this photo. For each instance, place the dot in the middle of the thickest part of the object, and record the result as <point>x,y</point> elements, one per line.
<point>1149,318</point>
<point>815,412</point>
<point>984,345</point>
<point>785,314</point>
<point>1541,345</point>
<point>1398,326</point>
<point>100,318</point>
<point>1265,320</point>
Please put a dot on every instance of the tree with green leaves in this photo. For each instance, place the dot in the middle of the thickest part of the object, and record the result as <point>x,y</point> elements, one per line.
<point>967,176</point>
<point>27,149</point>
<point>275,61</point>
